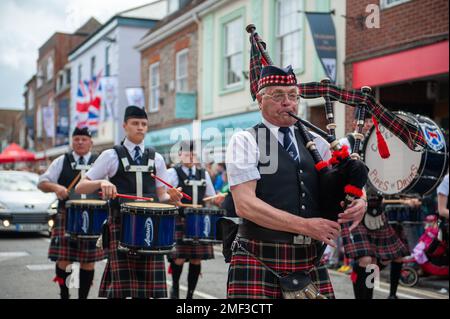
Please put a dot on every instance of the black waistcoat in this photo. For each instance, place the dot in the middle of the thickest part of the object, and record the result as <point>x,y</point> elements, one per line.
<point>293,186</point>
<point>69,172</point>
<point>182,178</point>
<point>125,181</point>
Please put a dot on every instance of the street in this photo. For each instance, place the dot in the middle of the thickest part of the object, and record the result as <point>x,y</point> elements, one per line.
<point>26,273</point>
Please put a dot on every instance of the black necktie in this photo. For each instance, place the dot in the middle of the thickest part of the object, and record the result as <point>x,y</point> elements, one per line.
<point>81,160</point>
<point>190,176</point>
<point>288,143</point>
<point>137,155</point>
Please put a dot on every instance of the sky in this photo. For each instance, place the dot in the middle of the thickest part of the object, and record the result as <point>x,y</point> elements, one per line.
<point>25,26</point>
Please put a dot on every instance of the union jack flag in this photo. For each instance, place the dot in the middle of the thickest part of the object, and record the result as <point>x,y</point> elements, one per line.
<point>88,103</point>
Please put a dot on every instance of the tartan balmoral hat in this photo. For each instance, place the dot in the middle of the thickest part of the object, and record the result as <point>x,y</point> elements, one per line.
<point>275,76</point>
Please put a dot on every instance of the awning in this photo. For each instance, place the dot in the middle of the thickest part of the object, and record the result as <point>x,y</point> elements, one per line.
<point>14,153</point>
<point>402,66</point>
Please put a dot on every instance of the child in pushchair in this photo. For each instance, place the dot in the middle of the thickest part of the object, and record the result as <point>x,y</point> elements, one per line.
<point>430,255</point>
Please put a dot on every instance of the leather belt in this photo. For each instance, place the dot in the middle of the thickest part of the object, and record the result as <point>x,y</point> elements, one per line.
<point>255,232</point>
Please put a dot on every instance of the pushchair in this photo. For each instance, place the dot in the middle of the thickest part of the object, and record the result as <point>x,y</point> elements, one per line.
<point>430,255</point>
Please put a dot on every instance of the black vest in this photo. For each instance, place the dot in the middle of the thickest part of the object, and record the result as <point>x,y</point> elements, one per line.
<point>125,181</point>
<point>69,172</point>
<point>182,178</point>
<point>294,186</point>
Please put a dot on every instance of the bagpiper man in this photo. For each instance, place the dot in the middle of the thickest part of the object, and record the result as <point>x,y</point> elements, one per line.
<point>275,188</point>
<point>125,275</point>
<point>197,183</point>
<point>66,250</point>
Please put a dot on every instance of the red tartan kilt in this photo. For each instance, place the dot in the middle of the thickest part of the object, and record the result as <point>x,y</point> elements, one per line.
<point>131,276</point>
<point>247,278</point>
<point>383,244</point>
<point>190,250</point>
<point>64,248</point>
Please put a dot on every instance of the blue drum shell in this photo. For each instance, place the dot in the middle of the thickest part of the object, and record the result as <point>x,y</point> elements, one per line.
<point>202,225</point>
<point>85,220</point>
<point>148,231</point>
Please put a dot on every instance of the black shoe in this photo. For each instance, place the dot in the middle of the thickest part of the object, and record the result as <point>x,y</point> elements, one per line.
<point>175,292</point>
<point>190,294</point>
<point>392,297</point>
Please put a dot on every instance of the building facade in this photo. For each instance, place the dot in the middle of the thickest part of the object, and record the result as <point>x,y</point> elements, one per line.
<point>400,48</point>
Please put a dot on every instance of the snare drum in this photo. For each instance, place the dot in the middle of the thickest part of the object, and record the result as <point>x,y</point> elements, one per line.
<point>147,228</point>
<point>397,213</point>
<point>200,224</point>
<point>85,217</point>
<point>407,171</point>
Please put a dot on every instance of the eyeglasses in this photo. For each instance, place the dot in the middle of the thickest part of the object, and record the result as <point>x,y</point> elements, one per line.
<point>278,97</point>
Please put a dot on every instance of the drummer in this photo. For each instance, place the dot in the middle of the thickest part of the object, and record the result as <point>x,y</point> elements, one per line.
<point>63,250</point>
<point>116,171</point>
<point>187,172</point>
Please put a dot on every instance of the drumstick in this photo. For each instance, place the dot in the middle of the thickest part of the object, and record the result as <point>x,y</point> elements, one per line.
<point>131,197</point>
<point>168,185</point>
<point>212,197</point>
<point>73,182</point>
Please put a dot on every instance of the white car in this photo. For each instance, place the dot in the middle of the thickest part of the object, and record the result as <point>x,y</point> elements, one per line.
<point>23,207</point>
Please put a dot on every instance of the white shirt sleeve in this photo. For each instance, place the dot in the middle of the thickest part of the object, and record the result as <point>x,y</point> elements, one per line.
<point>53,171</point>
<point>443,187</point>
<point>161,170</point>
<point>105,166</point>
<point>242,157</point>
<point>172,177</point>
<point>209,185</point>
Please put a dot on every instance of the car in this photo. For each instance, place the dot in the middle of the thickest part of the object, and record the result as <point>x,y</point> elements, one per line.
<point>23,207</point>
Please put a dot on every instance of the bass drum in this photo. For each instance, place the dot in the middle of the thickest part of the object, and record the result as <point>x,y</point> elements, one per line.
<point>407,171</point>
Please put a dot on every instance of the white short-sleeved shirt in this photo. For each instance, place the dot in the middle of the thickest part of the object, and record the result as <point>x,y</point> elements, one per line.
<point>54,170</point>
<point>174,180</point>
<point>107,164</point>
<point>242,155</point>
<point>443,187</point>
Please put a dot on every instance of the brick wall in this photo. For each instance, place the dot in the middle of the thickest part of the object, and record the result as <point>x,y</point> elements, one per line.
<point>410,24</point>
<point>165,52</point>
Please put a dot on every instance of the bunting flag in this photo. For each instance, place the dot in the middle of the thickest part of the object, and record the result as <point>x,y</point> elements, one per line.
<point>88,103</point>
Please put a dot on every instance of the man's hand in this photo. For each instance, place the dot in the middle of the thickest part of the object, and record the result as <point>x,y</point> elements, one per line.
<point>322,229</point>
<point>61,192</point>
<point>219,199</point>
<point>175,195</point>
<point>109,190</point>
<point>354,213</point>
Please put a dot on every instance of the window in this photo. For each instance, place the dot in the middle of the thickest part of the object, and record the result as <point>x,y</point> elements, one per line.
<point>154,87</point>
<point>107,61</point>
<point>40,76</point>
<point>80,73</point>
<point>30,99</point>
<point>182,71</point>
<point>60,81</point>
<point>391,3</point>
<point>233,55</point>
<point>50,68</point>
<point>92,67</point>
<point>289,33</point>
<point>173,5</point>
<point>68,75</point>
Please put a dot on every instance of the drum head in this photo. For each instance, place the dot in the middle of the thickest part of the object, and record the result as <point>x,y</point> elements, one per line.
<point>87,202</point>
<point>155,206</point>
<point>402,170</point>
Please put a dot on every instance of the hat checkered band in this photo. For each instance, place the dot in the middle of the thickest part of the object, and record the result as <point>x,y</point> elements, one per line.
<point>276,80</point>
